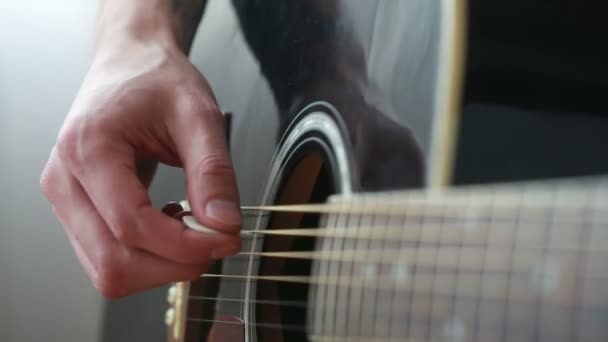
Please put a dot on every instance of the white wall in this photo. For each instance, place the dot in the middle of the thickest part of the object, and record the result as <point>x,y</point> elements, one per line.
<point>44,295</point>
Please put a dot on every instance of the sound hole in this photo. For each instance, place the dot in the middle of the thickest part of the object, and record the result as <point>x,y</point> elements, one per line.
<point>281,308</point>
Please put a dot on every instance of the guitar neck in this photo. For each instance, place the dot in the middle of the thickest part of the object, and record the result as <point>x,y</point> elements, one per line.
<point>509,262</point>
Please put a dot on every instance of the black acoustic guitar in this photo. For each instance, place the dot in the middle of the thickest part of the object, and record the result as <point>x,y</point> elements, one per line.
<point>410,170</point>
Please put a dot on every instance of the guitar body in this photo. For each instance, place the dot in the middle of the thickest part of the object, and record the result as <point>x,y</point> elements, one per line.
<point>333,99</point>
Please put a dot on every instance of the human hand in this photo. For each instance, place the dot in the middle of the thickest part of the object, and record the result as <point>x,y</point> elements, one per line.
<point>139,104</point>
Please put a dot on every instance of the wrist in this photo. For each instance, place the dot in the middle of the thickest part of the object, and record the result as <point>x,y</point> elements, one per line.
<point>125,24</point>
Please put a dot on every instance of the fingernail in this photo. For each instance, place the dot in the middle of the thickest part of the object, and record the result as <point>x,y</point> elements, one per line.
<point>224,211</point>
<point>222,252</point>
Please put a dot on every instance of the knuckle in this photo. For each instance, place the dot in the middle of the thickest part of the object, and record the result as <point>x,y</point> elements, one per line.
<point>68,146</point>
<point>79,141</point>
<point>47,182</point>
<point>51,181</point>
<point>197,97</point>
<point>109,290</point>
<point>109,278</point>
<point>214,164</point>
<point>192,104</point>
<point>125,231</point>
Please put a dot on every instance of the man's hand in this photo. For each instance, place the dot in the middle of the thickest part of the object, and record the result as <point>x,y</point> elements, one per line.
<point>141,102</point>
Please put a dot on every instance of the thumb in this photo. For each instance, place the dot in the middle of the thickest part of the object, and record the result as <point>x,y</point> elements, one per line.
<point>210,179</point>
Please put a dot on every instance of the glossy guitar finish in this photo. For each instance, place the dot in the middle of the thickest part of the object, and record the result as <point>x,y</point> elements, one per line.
<point>345,97</point>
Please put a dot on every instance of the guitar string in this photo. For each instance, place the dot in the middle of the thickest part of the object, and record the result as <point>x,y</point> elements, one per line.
<point>439,296</point>
<point>428,205</point>
<point>422,273</point>
<point>286,303</point>
<point>427,312</point>
<point>466,222</point>
<point>498,296</point>
<point>283,327</point>
<point>475,216</point>
<point>363,282</point>
<point>561,245</point>
<point>351,256</point>
<point>389,255</point>
<point>301,209</point>
<point>305,304</point>
<point>426,316</point>
<point>302,329</point>
<point>501,214</point>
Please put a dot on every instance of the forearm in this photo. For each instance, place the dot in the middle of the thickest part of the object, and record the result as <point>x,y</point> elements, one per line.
<point>170,23</point>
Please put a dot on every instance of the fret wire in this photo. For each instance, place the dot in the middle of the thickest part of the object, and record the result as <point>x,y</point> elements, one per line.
<point>476,332</point>
<point>414,273</point>
<point>395,270</point>
<point>317,269</point>
<point>538,314</point>
<point>433,277</point>
<point>581,262</point>
<point>372,297</point>
<point>361,292</point>
<point>504,332</point>
<point>358,302</point>
<point>355,302</point>
<point>327,289</point>
<point>402,220</point>
<point>324,271</point>
<point>460,240</point>
<point>336,314</point>
<point>357,292</point>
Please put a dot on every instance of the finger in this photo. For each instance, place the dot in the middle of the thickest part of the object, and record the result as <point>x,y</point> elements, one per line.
<point>115,270</point>
<point>107,172</point>
<point>199,134</point>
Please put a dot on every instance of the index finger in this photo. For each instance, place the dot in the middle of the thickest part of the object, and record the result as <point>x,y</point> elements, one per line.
<point>111,183</point>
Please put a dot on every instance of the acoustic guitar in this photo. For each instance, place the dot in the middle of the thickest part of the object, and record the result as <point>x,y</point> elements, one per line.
<point>360,223</point>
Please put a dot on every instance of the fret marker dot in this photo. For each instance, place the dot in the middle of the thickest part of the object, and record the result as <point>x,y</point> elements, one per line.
<point>369,271</point>
<point>545,276</point>
<point>454,330</point>
<point>472,219</point>
<point>401,273</point>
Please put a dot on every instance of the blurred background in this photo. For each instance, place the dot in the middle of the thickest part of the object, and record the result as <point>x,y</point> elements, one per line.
<point>44,294</point>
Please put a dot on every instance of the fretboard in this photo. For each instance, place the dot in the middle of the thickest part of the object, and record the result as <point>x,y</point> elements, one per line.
<point>513,262</point>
